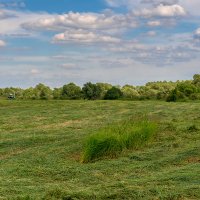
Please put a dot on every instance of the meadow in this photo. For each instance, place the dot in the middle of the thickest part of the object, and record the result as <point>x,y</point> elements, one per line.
<point>41,143</point>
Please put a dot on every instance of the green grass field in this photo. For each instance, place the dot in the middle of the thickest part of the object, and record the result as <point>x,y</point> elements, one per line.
<point>42,142</point>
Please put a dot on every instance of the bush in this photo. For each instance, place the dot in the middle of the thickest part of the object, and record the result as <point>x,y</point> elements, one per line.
<point>113,93</point>
<point>110,141</point>
<point>91,91</point>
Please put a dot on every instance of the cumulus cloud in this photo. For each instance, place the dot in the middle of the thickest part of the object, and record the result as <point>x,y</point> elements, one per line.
<point>154,23</point>
<point>5,14</point>
<point>34,71</point>
<point>158,2</point>
<point>2,43</point>
<point>162,11</point>
<point>12,23</point>
<point>191,5</point>
<point>151,33</point>
<point>81,20</point>
<point>157,54</point>
<point>83,36</point>
<point>197,34</point>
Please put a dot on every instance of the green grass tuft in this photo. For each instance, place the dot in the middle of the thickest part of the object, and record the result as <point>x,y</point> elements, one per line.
<point>110,141</point>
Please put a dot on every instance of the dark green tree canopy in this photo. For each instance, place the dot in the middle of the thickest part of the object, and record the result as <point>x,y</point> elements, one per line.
<point>113,93</point>
<point>91,91</point>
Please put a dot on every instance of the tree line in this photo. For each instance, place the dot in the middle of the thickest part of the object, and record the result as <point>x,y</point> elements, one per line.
<point>160,90</point>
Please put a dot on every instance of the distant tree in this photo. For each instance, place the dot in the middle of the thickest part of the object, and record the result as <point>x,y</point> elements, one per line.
<point>71,91</point>
<point>8,91</point>
<point>91,91</point>
<point>28,93</point>
<point>113,93</point>
<point>42,92</point>
<point>1,91</point>
<point>159,89</point>
<point>196,80</point>
<point>104,87</point>
<point>183,91</point>
<point>173,96</point>
<point>130,92</point>
<point>187,88</point>
<point>57,93</point>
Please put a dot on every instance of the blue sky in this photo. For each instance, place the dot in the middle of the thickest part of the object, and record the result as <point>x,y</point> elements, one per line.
<point>115,41</point>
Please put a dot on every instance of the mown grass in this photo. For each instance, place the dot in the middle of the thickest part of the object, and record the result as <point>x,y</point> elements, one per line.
<point>113,139</point>
<point>41,144</point>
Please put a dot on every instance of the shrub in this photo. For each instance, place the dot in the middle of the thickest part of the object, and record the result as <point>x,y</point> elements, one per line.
<point>110,141</point>
<point>91,91</point>
<point>113,93</point>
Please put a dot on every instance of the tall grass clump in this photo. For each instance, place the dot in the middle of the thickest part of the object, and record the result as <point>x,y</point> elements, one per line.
<point>113,139</point>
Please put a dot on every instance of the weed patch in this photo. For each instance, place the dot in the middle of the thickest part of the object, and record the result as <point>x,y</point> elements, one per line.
<point>113,139</point>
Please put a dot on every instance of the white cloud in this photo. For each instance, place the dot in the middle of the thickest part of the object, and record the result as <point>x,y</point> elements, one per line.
<point>154,23</point>
<point>34,71</point>
<point>158,2</point>
<point>162,11</point>
<point>84,36</point>
<point>2,43</point>
<point>12,25</point>
<point>191,5</point>
<point>68,65</point>
<point>81,20</point>
<point>151,33</point>
<point>5,14</point>
<point>197,34</point>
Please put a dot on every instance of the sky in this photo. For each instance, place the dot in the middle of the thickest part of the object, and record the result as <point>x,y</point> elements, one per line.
<point>115,41</point>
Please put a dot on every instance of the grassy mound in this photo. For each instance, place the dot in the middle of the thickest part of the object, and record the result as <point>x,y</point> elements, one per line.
<point>110,141</point>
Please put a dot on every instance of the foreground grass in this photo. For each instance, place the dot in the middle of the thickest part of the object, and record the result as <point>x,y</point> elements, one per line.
<point>41,144</point>
<point>110,141</point>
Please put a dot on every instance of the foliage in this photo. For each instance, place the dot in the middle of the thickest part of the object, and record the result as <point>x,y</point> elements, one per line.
<point>71,91</point>
<point>113,94</point>
<point>91,91</point>
<point>159,90</point>
<point>104,87</point>
<point>184,90</point>
<point>111,140</point>
<point>130,92</point>
<point>57,93</point>
<point>196,80</point>
<point>43,92</point>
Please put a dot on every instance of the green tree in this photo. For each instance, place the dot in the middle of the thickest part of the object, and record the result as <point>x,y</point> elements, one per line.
<point>130,92</point>
<point>71,91</point>
<point>104,88</point>
<point>187,88</point>
<point>1,91</point>
<point>42,92</point>
<point>28,93</point>
<point>91,91</point>
<point>196,80</point>
<point>57,93</point>
<point>113,93</point>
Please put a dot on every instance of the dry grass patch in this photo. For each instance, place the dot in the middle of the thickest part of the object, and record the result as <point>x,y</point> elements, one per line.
<point>65,124</point>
